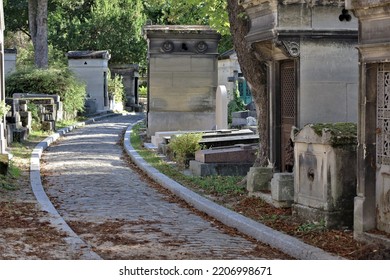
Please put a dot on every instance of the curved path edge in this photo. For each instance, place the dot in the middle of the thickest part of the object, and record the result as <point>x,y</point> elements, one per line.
<point>76,243</point>
<point>283,242</point>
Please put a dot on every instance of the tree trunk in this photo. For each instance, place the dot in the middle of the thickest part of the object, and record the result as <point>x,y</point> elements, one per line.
<point>37,16</point>
<point>255,72</point>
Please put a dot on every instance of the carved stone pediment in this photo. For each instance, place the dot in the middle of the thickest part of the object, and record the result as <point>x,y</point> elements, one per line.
<point>291,48</point>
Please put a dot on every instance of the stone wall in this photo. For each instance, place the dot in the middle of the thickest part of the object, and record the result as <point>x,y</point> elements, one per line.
<point>329,75</point>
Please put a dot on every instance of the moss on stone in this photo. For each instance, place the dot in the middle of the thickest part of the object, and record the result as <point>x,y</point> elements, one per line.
<point>341,133</point>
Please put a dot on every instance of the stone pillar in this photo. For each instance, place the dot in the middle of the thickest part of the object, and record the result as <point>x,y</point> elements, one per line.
<point>92,68</point>
<point>182,77</point>
<point>222,108</point>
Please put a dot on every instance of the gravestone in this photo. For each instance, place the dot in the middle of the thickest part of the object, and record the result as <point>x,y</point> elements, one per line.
<point>221,110</point>
<point>224,161</point>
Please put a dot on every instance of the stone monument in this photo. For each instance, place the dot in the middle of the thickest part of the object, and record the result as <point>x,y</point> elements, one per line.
<point>182,77</point>
<point>92,68</point>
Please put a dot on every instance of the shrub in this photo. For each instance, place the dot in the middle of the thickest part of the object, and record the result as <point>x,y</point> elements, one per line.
<point>116,88</point>
<point>143,91</point>
<point>56,81</point>
<point>35,122</point>
<point>184,146</point>
<point>4,108</point>
<point>235,105</point>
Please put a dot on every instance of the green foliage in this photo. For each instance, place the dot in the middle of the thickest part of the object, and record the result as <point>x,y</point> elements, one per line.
<point>35,122</point>
<point>16,15</point>
<point>116,88</point>
<point>50,81</point>
<point>312,227</point>
<point>192,12</point>
<point>342,133</point>
<point>114,25</point>
<point>4,108</point>
<point>209,184</point>
<point>143,91</point>
<point>219,184</point>
<point>184,146</point>
<point>235,105</point>
<point>7,182</point>
<point>20,150</point>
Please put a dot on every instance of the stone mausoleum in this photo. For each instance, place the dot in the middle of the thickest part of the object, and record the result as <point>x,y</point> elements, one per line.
<point>310,50</point>
<point>372,203</point>
<point>92,68</point>
<point>182,77</point>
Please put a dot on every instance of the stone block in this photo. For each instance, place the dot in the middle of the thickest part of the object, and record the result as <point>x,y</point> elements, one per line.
<point>20,134</point>
<point>244,114</point>
<point>333,219</point>
<point>259,178</point>
<point>239,122</point>
<point>222,169</point>
<point>48,125</point>
<point>23,107</point>
<point>282,187</point>
<point>228,155</point>
<point>14,119</point>
<point>9,133</point>
<point>48,117</point>
<point>50,108</point>
<point>26,119</point>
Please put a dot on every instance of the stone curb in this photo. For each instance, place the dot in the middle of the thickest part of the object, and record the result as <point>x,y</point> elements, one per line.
<point>72,239</point>
<point>283,242</point>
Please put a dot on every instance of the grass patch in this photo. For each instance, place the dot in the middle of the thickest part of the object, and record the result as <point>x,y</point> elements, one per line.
<point>66,123</point>
<point>20,150</point>
<point>37,135</point>
<point>8,182</point>
<point>218,185</point>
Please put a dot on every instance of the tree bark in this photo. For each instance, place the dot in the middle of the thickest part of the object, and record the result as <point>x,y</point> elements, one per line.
<point>37,16</point>
<point>255,72</point>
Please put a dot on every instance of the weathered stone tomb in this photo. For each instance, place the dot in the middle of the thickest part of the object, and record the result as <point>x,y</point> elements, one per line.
<point>182,77</point>
<point>325,173</point>
<point>92,68</point>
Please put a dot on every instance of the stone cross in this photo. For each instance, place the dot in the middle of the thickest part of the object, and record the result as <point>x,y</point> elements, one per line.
<point>233,79</point>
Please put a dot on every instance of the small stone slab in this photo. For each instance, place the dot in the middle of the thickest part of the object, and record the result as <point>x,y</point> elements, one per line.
<point>228,155</point>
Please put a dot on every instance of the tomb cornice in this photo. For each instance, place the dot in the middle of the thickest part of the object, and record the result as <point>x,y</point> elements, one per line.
<point>369,10</point>
<point>104,54</point>
<point>374,53</point>
<point>162,31</point>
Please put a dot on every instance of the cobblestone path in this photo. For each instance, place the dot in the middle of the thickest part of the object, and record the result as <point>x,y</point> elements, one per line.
<point>120,215</point>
